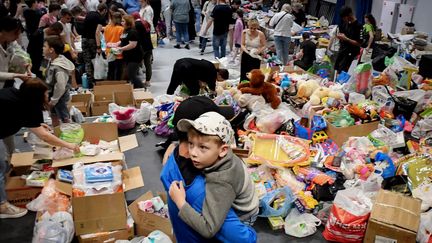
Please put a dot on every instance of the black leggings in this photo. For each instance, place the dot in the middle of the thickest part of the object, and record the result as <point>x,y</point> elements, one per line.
<point>115,69</point>
<point>247,64</point>
<point>132,71</point>
<point>148,64</point>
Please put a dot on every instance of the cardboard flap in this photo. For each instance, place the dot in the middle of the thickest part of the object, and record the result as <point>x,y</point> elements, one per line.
<point>397,209</point>
<point>100,130</point>
<point>89,159</point>
<point>99,213</point>
<point>109,89</point>
<point>128,142</point>
<point>132,179</point>
<point>63,187</point>
<point>22,159</point>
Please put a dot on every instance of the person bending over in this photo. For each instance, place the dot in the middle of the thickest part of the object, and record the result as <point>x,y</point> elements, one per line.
<point>194,74</point>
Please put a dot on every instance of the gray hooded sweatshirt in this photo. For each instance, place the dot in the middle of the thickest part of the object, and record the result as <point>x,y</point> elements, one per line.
<point>228,184</point>
<point>58,77</point>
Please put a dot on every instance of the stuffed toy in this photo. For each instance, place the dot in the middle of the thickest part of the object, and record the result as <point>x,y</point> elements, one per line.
<point>257,86</point>
<point>322,92</point>
<point>306,88</point>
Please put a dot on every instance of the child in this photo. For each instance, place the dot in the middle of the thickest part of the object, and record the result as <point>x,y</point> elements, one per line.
<point>227,182</point>
<point>238,29</point>
<point>58,78</point>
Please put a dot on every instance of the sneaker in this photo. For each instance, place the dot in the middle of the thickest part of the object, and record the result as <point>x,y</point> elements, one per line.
<point>8,210</point>
<point>187,46</point>
<point>177,46</point>
<point>147,84</point>
<point>201,52</point>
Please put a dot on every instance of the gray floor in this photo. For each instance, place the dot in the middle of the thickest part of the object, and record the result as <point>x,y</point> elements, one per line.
<point>147,157</point>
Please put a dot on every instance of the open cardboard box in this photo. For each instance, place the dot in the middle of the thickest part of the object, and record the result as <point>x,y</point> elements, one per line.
<point>92,132</point>
<point>124,98</point>
<point>102,213</point>
<point>104,94</point>
<point>110,82</point>
<point>140,95</point>
<point>82,102</point>
<point>148,222</point>
<point>18,193</point>
<point>341,134</point>
<point>394,218</point>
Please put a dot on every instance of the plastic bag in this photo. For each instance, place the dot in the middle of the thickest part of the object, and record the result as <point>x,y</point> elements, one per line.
<point>424,234</point>
<point>123,116</point>
<point>319,54</point>
<point>71,132</point>
<point>76,115</point>
<point>56,228</point>
<point>361,80</point>
<point>348,217</point>
<point>340,118</point>
<point>423,128</point>
<point>301,225</point>
<point>50,200</point>
<point>270,123</point>
<point>19,60</point>
<point>63,153</point>
<point>266,210</point>
<point>143,114</point>
<point>100,67</point>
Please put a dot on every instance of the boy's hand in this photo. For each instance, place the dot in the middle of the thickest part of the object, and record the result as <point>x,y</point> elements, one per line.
<point>178,193</point>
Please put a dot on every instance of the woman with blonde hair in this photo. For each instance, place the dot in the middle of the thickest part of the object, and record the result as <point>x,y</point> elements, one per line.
<point>132,51</point>
<point>282,23</point>
<point>253,44</point>
<point>147,14</point>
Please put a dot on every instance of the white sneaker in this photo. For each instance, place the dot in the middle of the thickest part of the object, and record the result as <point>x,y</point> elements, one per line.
<point>8,210</point>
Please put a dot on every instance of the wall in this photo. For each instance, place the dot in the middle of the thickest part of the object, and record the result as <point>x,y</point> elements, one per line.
<point>422,9</point>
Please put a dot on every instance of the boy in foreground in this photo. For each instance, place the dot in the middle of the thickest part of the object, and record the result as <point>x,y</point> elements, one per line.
<point>227,182</point>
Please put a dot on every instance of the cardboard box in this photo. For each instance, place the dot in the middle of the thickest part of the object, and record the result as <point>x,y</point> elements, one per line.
<point>107,237</point>
<point>104,94</point>
<point>148,222</point>
<point>92,132</point>
<point>111,82</point>
<point>82,102</point>
<point>341,134</point>
<point>139,95</point>
<point>124,98</point>
<point>102,213</point>
<point>18,193</point>
<point>394,218</point>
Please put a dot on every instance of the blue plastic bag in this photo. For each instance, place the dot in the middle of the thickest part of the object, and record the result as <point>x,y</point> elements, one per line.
<point>318,123</point>
<point>390,170</point>
<point>302,132</point>
<point>266,210</point>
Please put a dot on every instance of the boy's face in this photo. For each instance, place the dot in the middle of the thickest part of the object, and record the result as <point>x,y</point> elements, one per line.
<point>204,151</point>
<point>47,51</point>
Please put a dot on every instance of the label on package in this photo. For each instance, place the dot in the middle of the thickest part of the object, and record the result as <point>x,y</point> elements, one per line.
<point>382,239</point>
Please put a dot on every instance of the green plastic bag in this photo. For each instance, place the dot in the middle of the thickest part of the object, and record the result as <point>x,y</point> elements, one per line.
<point>340,118</point>
<point>71,133</point>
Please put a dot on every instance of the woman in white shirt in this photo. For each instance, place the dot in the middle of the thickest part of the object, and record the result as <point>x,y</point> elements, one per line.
<point>146,13</point>
<point>204,36</point>
<point>253,44</point>
<point>282,23</point>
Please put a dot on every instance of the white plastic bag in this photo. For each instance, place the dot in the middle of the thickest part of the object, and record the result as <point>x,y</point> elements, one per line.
<point>320,53</point>
<point>76,115</point>
<point>424,234</point>
<point>56,228</point>
<point>100,67</point>
<point>143,114</point>
<point>301,225</point>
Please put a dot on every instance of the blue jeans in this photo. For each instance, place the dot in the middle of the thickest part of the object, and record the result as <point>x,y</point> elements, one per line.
<point>220,41</point>
<point>197,11</point>
<point>182,31</point>
<point>282,44</point>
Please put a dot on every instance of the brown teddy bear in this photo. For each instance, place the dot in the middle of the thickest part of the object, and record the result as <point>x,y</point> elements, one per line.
<point>257,86</point>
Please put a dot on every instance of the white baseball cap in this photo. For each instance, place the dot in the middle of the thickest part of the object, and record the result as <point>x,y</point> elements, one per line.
<point>210,123</point>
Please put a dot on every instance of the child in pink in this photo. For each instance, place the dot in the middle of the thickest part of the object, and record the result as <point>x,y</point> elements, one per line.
<point>238,29</point>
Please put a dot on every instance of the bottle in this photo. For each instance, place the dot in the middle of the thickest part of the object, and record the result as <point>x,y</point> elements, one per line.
<point>84,81</point>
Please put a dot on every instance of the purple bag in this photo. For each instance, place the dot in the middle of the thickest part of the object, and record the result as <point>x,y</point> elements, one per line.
<point>162,129</point>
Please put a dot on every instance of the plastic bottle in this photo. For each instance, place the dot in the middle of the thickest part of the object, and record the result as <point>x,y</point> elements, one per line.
<point>84,81</point>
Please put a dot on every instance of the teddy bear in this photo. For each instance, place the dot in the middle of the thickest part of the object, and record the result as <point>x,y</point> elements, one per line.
<point>258,86</point>
<point>321,92</point>
<point>306,88</point>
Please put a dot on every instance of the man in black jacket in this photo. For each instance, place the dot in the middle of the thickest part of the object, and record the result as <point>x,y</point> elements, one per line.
<point>194,74</point>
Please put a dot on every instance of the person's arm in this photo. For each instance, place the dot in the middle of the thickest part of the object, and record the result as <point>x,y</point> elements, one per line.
<point>168,153</point>
<point>130,46</point>
<point>217,203</point>
<point>60,87</point>
<point>263,42</point>
<point>272,21</point>
<point>371,38</point>
<point>243,41</point>
<point>48,137</point>
<point>97,36</point>
<point>9,76</point>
